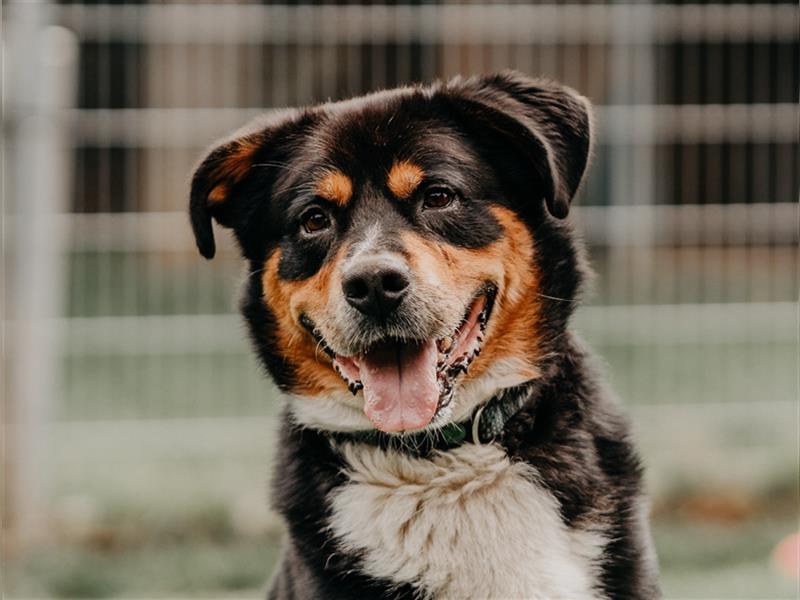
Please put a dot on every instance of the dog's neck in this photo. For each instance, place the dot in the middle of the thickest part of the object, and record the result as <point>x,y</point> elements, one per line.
<point>484,425</point>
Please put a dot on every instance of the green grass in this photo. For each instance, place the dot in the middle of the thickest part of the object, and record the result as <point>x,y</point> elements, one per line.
<point>697,561</point>
<point>702,560</point>
<point>190,568</point>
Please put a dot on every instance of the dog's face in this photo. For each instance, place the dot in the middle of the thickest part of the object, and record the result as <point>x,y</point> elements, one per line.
<point>403,246</point>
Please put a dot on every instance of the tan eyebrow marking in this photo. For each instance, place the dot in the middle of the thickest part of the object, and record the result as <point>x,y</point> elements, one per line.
<point>336,187</point>
<point>404,178</point>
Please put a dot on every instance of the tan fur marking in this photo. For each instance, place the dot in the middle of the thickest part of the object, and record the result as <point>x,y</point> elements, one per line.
<point>513,331</point>
<point>288,300</point>
<point>218,194</point>
<point>240,161</point>
<point>335,187</point>
<point>404,178</point>
<point>232,169</point>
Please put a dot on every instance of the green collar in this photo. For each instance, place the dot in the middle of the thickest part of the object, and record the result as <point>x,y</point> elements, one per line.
<point>485,424</point>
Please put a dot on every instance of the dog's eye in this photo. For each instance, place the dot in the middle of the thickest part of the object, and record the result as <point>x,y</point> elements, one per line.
<point>438,197</point>
<point>314,220</point>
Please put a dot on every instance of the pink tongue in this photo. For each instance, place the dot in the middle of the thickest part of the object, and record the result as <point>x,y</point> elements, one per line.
<point>400,387</point>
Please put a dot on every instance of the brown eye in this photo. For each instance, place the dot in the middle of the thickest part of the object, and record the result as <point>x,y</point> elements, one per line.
<point>438,197</point>
<point>315,220</point>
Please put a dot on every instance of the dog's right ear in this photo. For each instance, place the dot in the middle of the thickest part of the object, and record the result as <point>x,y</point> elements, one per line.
<point>235,175</point>
<point>214,185</point>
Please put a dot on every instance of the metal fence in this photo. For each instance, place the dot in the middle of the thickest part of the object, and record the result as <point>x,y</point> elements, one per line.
<point>118,333</point>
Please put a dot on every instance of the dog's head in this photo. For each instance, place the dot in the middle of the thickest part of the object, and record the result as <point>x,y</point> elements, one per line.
<point>406,255</point>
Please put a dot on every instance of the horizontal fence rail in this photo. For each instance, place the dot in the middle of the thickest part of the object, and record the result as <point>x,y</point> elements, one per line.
<point>689,124</point>
<point>428,24</point>
<point>618,325</point>
<point>669,225</point>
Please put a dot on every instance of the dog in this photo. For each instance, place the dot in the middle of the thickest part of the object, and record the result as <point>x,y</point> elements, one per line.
<point>411,282</point>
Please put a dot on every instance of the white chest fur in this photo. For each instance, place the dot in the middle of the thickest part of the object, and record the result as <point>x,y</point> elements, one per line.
<point>468,523</point>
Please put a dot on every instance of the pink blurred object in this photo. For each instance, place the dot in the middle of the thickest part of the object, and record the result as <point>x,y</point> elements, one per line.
<point>786,556</point>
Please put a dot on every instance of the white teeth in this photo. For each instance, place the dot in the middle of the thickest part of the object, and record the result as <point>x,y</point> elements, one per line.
<point>445,344</point>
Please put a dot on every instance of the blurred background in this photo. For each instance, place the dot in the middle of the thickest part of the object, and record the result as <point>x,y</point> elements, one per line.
<point>139,429</point>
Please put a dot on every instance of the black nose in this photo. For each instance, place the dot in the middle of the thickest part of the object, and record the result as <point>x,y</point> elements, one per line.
<point>375,286</point>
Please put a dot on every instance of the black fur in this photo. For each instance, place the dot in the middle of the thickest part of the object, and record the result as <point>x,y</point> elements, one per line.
<point>311,469</point>
<point>503,139</point>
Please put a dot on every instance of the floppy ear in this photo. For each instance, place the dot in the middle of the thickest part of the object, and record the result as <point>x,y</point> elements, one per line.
<point>214,185</point>
<point>226,186</point>
<point>547,123</point>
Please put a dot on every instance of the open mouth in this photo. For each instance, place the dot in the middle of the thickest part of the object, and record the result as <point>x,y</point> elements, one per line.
<point>407,382</point>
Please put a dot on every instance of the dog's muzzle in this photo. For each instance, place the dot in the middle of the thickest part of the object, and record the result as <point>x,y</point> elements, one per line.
<point>406,377</point>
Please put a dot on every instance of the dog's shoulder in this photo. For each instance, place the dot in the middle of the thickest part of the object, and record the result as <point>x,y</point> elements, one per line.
<point>580,442</point>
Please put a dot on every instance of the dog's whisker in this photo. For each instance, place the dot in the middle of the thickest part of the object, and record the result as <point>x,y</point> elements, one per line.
<point>279,165</point>
<point>553,297</point>
<point>256,272</point>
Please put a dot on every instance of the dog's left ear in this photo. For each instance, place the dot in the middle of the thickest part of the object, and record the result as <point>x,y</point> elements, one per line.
<point>547,123</point>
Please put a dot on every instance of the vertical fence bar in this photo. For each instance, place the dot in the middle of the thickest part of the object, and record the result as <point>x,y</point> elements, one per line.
<point>40,159</point>
<point>632,175</point>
